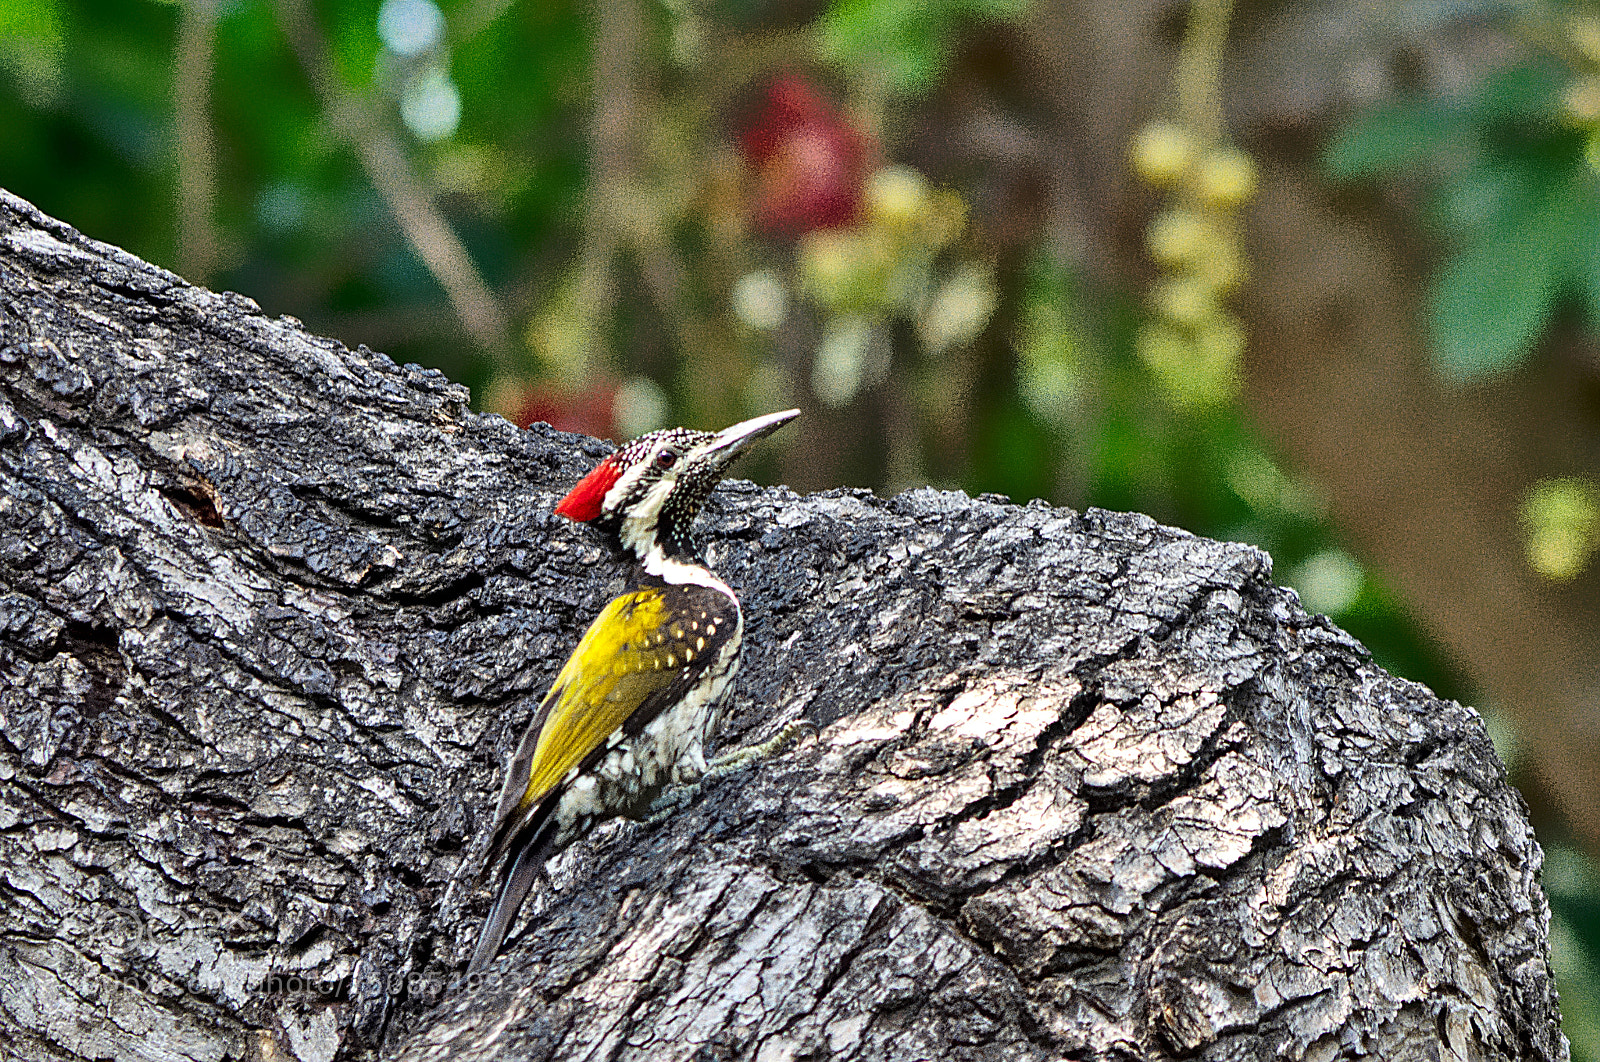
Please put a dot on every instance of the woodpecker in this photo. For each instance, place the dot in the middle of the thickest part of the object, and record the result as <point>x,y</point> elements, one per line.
<point>633,707</point>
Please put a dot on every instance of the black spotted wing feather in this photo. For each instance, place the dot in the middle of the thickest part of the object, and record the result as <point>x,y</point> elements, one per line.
<point>643,653</point>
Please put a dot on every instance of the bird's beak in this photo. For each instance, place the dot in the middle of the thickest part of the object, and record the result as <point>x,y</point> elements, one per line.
<point>729,443</point>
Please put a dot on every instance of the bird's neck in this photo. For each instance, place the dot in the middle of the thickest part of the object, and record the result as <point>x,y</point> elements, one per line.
<point>657,532</point>
<point>658,535</point>
<point>678,571</point>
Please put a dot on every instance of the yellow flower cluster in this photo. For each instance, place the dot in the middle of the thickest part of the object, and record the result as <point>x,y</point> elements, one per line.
<point>881,264</point>
<point>1193,344</point>
<point>884,267</point>
<point>1561,522</point>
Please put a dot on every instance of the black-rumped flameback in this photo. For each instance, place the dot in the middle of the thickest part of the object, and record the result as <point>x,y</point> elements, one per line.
<point>634,706</point>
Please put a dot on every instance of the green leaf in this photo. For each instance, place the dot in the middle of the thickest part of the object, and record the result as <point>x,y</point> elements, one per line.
<point>1519,95</point>
<point>1587,260</point>
<point>1394,137</point>
<point>31,21</point>
<point>1491,302</point>
<point>32,44</point>
<point>1480,197</point>
<point>907,41</point>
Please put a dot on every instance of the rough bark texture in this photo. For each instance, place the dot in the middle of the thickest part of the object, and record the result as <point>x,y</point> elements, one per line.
<point>272,612</point>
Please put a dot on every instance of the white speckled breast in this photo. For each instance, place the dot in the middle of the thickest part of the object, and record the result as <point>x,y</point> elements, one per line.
<point>670,750</point>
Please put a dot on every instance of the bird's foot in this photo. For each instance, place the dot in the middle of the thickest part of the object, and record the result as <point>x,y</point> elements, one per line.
<point>738,759</point>
<point>670,800</point>
<point>728,763</point>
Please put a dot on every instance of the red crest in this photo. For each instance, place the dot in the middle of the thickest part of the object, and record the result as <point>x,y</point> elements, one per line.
<point>583,502</point>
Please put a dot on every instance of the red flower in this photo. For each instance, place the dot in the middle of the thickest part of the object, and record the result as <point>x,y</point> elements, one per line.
<point>587,412</point>
<point>810,162</point>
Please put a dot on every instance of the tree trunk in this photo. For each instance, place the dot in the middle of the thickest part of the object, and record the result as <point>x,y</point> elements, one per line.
<point>272,612</point>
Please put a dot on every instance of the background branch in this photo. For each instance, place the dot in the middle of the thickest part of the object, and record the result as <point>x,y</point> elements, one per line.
<point>198,241</point>
<point>355,116</point>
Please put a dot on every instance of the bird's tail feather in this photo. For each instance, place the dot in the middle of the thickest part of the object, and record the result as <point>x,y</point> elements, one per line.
<point>525,867</point>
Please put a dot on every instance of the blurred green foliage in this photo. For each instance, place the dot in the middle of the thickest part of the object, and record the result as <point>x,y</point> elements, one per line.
<point>905,43</point>
<point>300,227</point>
<point>89,129</point>
<point>1515,197</point>
<point>1510,172</point>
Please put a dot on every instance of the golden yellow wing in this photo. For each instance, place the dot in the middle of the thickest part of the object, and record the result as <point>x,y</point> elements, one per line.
<point>615,667</point>
<point>639,646</point>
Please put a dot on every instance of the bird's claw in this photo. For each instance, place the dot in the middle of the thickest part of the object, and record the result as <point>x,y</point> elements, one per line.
<point>730,762</point>
<point>736,759</point>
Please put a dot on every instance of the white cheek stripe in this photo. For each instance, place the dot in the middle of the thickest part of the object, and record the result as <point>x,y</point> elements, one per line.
<point>639,527</point>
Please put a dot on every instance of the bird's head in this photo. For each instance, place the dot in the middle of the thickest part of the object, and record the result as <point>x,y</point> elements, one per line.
<point>649,491</point>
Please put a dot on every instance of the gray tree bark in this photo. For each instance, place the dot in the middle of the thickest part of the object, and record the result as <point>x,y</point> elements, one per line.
<point>273,611</point>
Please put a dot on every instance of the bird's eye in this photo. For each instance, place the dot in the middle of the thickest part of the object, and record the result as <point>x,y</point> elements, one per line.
<point>667,458</point>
